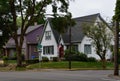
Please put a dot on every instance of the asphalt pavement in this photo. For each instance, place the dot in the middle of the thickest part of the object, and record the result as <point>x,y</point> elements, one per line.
<point>59,75</point>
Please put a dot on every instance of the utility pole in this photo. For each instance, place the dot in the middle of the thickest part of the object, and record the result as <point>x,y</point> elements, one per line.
<point>116,47</point>
<point>70,47</point>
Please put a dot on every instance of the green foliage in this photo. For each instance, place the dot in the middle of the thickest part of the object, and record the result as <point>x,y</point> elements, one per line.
<point>92,59</point>
<point>61,23</point>
<point>45,59</point>
<point>55,59</point>
<point>117,11</point>
<point>75,65</point>
<point>4,21</point>
<point>75,56</point>
<point>30,11</point>
<point>101,36</point>
<point>5,58</point>
<point>32,61</point>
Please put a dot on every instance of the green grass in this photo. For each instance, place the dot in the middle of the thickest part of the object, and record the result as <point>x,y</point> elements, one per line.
<point>12,61</point>
<point>75,65</point>
<point>62,65</point>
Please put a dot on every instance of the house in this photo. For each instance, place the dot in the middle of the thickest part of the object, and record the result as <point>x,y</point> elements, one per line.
<point>29,48</point>
<point>51,39</point>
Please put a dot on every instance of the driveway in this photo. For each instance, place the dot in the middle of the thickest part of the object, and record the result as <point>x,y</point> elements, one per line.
<point>57,75</point>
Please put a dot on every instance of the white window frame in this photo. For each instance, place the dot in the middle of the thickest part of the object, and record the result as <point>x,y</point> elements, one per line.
<point>47,35</point>
<point>87,49</point>
<point>48,50</point>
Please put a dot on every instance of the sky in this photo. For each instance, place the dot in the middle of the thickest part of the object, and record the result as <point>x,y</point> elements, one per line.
<point>80,8</point>
<point>86,7</point>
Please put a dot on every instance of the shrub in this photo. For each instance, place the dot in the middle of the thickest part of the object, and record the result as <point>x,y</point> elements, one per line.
<point>55,59</point>
<point>75,56</point>
<point>92,59</point>
<point>82,57</point>
<point>68,56</point>
<point>45,59</point>
<point>32,61</point>
<point>5,58</point>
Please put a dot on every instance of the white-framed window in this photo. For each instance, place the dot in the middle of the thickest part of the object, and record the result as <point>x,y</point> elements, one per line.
<point>47,35</point>
<point>87,49</point>
<point>48,50</point>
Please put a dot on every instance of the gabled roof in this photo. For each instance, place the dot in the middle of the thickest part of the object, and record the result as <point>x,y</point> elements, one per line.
<point>76,31</point>
<point>55,33</point>
<point>11,42</point>
<point>30,28</point>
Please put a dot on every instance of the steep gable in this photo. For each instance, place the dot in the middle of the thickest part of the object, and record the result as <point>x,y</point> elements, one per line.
<point>55,33</point>
<point>77,31</point>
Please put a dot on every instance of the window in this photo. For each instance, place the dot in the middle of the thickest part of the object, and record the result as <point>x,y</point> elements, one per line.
<point>48,50</point>
<point>74,47</point>
<point>87,49</point>
<point>47,35</point>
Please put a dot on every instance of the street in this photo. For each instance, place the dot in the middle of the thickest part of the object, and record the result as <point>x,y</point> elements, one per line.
<point>58,75</point>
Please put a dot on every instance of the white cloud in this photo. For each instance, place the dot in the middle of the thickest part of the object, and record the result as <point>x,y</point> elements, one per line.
<point>86,7</point>
<point>80,8</point>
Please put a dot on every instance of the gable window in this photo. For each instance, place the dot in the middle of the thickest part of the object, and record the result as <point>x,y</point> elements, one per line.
<point>47,35</point>
<point>48,50</point>
<point>87,49</point>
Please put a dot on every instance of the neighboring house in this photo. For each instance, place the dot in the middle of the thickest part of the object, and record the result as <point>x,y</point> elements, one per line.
<point>29,48</point>
<point>51,39</point>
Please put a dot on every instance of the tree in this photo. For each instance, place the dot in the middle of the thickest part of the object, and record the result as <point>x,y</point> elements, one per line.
<point>101,38</point>
<point>62,24</point>
<point>4,14</point>
<point>116,19</point>
<point>29,12</point>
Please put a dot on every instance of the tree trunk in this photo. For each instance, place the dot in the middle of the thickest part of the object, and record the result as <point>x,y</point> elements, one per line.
<point>19,58</point>
<point>103,63</point>
<point>116,65</point>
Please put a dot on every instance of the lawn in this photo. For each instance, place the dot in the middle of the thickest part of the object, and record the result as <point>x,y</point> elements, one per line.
<point>59,65</point>
<point>75,65</point>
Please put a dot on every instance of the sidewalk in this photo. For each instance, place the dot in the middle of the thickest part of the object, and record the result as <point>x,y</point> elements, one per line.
<point>114,77</point>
